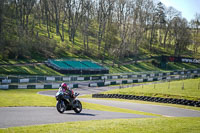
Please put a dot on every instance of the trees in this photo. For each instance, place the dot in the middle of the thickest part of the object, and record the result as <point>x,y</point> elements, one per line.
<point>171,13</point>
<point>181,35</point>
<point>102,10</point>
<point>75,13</point>
<point>161,18</point>
<point>123,13</point>
<point>138,26</point>
<point>88,7</point>
<point>195,26</point>
<point>1,18</point>
<point>153,21</point>
<point>117,28</point>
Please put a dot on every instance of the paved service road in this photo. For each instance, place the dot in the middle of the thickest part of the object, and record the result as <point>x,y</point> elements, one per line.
<point>24,116</point>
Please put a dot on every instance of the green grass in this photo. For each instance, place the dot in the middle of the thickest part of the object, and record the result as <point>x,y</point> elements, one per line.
<point>139,125</point>
<point>180,66</point>
<point>28,70</point>
<point>44,70</point>
<point>172,89</point>
<point>139,67</point>
<point>115,109</point>
<point>18,61</point>
<point>25,97</point>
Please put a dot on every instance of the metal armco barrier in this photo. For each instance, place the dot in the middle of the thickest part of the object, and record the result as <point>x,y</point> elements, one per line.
<point>129,81</point>
<point>42,79</point>
<point>39,86</point>
<point>151,99</point>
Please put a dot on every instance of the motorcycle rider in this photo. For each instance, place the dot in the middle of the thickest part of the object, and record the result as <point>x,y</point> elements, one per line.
<point>67,91</point>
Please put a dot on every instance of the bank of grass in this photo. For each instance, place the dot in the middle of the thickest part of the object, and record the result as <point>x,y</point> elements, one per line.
<point>28,70</point>
<point>182,89</point>
<point>14,62</point>
<point>138,125</point>
<point>42,69</point>
<point>24,97</point>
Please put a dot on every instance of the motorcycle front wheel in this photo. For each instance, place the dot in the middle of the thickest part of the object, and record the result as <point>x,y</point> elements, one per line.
<point>60,106</point>
<point>78,107</point>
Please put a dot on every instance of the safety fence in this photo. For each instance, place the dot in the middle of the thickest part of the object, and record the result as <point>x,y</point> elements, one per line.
<point>49,79</point>
<point>140,80</point>
<point>23,83</point>
<point>38,86</point>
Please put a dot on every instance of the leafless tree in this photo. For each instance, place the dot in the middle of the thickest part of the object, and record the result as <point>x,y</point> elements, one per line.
<point>182,35</point>
<point>171,13</point>
<point>195,26</point>
<point>1,18</point>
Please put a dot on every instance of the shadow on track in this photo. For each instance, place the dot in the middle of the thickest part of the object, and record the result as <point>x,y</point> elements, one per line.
<point>81,114</point>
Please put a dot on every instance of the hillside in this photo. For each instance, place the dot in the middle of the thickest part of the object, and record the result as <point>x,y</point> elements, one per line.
<point>42,69</point>
<point>36,31</point>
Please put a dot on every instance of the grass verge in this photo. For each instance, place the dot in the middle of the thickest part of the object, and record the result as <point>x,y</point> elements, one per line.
<point>42,69</point>
<point>183,89</point>
<point>25,97</point>
<point>139,125</point>
<point>115,109</point>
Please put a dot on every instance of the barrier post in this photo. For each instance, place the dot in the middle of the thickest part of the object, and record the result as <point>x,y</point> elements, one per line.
<point>183,86</point>
<point>169,85</point>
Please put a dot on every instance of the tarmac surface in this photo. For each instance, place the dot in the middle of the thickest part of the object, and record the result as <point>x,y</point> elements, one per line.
<point>155,109</point>
<point>25,116</point>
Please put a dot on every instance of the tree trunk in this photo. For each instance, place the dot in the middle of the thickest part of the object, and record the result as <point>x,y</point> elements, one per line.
<point>99,37</point>
<point>63,32</point>
<point>1,18</point>
<point>165,37</point>
<point>47,18</point>
<point>27,21</point>
<point>152,37</point>
<point>87,43</point>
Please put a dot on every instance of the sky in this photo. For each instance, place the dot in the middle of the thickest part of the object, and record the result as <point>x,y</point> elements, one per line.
<point>188,8</point>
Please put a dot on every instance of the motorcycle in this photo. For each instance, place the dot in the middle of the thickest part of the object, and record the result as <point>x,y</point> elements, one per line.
<point>64,103</point>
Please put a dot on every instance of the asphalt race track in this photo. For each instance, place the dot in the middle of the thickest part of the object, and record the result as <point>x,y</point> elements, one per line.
<point>156,109</point>
<point>24,116</point>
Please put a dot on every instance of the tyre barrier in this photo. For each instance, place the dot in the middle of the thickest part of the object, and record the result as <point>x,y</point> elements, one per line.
<point>151,99</point>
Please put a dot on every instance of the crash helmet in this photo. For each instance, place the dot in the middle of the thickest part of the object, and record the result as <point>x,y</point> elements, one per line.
<point>64,86</point>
